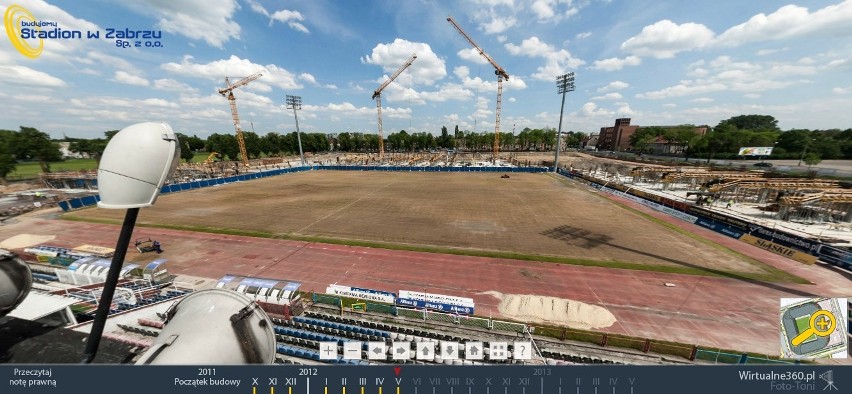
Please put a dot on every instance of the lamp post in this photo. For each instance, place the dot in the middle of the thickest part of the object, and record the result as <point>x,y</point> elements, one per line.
<point>805,150</point>
<point>134,166</point>
<point>564,84</point>
<point>295,102</point>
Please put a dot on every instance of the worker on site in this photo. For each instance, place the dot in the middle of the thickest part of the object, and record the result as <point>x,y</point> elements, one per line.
<point>730,203</point>
<point>157,247</point>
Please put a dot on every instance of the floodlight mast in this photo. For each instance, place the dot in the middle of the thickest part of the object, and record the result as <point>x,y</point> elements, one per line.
<point>377,95</point>
<point>564,84</point>
<point>295,103</point>
<point>501,74</point>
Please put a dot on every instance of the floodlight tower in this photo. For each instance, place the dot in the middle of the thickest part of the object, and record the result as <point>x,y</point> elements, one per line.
<point>295,102</point>
<point>564,84</point>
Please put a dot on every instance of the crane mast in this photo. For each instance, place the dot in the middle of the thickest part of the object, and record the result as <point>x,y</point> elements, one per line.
<point>501,75</point>
<point>228,91</point>
<point>377,95</point>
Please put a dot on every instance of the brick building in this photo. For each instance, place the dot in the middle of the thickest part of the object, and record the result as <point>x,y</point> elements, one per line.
<point>617,138</point>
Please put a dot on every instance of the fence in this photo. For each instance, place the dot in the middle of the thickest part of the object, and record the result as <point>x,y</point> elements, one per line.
<point>82,202</point>
<point>419,314</point>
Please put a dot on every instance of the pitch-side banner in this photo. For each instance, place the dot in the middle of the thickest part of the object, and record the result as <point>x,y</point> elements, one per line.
<point>756,151</point>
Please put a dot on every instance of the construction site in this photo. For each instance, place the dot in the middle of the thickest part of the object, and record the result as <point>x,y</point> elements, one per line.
<point>813,207</point>
<point>594,262</point>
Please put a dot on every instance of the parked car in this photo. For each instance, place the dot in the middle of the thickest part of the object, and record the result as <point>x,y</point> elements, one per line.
<point>763,164</point>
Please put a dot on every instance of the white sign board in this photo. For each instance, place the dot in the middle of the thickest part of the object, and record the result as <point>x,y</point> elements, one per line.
<point>756,151</point>
<point>436,298</point>
<point>361,294</point>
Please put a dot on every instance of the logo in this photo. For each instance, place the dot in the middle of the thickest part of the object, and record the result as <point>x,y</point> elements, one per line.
<point>16,17</point>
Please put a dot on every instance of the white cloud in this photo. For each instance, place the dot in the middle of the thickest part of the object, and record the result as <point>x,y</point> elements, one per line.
<point>609,96</point>
<point>685,88</point>
<point>842,90</point>
<point>613,86</point>
<point>498,24</point>
<point>591,109</point>
<point>288,17</point>
<point>234,66</point>
<point>752,95</point>
<point>427,69</point>
<point>129,79</point>
<point>543,9</point>
<point>462,72</point>
<point>557,62</point>
<point>512,99</point>
<point>571,12</point>
<point>614,63</point>
<point>330,86</point>
<point>502,38</point>
<point>172,85</point>
<point>669,105</point>
<point>585,34</point>
<point>22,75</point>
<point>769,51</point>
<point>532,47</point>
<point>308,78</point>
<point>665,38</point>
<point>724,73</point>
<point>196,19</point>
<point>702,100</point>
<point>472,55</point>
<point>789,21</point>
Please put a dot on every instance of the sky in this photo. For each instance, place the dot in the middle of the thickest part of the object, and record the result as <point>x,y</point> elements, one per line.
<point>660,62</point>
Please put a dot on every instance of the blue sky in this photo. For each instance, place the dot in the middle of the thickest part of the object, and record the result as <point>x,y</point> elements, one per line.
<point>659,62</point>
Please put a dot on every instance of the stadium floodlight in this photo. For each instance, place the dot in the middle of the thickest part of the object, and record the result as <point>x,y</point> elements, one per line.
<point>564,84</point>
<point>295,102</point>
<point>135,165</point>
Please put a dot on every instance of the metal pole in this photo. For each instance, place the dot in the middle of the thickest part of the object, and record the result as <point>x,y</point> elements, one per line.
<point>109,286</point>
<point>299,136</point>
<point>295,102</point>
<point>559,134</point>
<point>565,84</point>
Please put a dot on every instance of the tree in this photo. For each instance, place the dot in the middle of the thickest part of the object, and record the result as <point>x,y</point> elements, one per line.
<point>643,136</point>
<point>752,122</point>
<point>32,144</point>
<point>811,159</point>
<point>7,158</point>
<point>225,144</point>
<point>186,152</point>
<point>94,148</point>
<point>252,142</point>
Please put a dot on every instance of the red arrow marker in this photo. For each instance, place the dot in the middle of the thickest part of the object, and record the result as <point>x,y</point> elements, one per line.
<point>396,371</point>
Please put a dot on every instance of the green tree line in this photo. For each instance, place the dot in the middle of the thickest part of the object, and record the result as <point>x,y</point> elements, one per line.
<point>725,139</point>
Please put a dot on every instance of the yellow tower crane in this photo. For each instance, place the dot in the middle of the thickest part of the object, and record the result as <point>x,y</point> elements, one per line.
<point>228,91</point>
<point>377,95</point>
<point>501,75</point>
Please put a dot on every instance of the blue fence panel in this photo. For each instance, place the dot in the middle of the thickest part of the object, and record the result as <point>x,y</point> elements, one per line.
<point>64,205</point>
<point>75,203</point>
<point>89,200</point>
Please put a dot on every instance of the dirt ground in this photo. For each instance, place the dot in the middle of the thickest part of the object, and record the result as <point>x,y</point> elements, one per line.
<point>527,213</point>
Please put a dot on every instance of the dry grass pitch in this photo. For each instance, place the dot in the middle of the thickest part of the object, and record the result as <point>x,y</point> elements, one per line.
<point>531,216</point>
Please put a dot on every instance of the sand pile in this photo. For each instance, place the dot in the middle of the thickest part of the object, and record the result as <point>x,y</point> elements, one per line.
<point>552,310</point>
<point>21,241</point>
